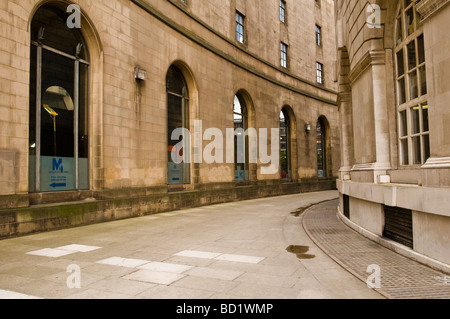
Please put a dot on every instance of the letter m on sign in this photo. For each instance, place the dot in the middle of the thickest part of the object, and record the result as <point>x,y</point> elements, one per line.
<point>57,164</point>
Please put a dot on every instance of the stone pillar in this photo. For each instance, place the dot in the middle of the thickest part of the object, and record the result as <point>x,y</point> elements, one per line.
<point>374,61</point>
<point>345,114</point>
<point>380,109</point>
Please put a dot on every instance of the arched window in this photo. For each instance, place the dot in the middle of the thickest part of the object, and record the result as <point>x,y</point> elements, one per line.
<point>410,71</point>
<point>321,148</point>
<point>285,144</point>
<point>240,115</point>
<point>59,130</point>
<point>178,126</point>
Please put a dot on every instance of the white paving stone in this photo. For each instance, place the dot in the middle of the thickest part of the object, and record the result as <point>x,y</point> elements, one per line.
<point>11,295</point>
<point>79,248</point>
<point>240,258</point>
<point>156,277</point>
<point>220,256</point>
<point>123,262</point>
<point>63,251</point>
<point>197,254</point>
<point>166,267</point>
<point>51,252</point>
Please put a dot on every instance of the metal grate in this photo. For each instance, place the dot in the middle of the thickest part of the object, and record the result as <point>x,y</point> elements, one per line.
<point>398,225</point>
<point>347,206</point>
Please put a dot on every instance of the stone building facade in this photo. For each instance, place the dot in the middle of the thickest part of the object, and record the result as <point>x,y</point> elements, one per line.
<point>92,90</point>
<point>393,70</point>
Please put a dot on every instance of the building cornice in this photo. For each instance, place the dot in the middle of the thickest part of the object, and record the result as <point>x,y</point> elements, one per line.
<point>345,96</point>
<point>205,44</point>
<point>427,8</point>
<point>370,58</point>
<point>437,162</point>
<point>371,167</point>
<point>182,7</point>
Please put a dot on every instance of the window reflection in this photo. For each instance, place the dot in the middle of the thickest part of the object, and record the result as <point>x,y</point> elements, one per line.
<point>285,144</point>
<point>240,116</point>
<point>321,148</point>
<point>178,118</point>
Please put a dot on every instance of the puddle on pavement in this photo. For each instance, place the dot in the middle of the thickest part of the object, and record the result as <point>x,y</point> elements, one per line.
<point>300,211</point>
<point>300,252</point>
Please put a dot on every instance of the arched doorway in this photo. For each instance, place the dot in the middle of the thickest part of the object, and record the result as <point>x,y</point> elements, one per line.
<point>59,110</point>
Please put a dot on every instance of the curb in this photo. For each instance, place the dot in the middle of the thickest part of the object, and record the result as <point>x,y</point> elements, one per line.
<point>398,248</point>
<point>327,252</point>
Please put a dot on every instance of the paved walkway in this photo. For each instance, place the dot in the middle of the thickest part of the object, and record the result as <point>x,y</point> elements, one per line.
<point>400,277</point>
<point>255,249</point>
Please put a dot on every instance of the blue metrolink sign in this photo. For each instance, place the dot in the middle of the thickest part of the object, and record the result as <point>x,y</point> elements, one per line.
<point>57,174</point>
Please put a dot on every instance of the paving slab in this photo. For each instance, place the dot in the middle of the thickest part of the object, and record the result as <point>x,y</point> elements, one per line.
<point>237,250</point>
<point>399,277</point>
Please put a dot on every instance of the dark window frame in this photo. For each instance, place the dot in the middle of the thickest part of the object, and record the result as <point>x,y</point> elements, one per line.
<point>284,55</point>
<point>283,11</point>
<point>320,73</point>
<point>240,28</point>
<point>411,87</point>
<point>59,125</point>
<point>318,35</point>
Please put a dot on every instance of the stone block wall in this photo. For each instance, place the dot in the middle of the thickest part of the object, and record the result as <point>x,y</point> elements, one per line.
<point>128,118</point>
<point>372,174</point>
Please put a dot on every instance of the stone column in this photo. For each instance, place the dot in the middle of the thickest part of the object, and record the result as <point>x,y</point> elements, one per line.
<point>375,61</point>
<point>380,111</point>
<point>345,114</point>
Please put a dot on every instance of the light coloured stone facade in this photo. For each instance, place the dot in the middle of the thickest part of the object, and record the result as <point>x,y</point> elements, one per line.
<point>128,118</point>
<point>386,158</point>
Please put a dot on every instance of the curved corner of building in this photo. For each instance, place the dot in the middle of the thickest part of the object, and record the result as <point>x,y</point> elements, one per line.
<point>418,235</point>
